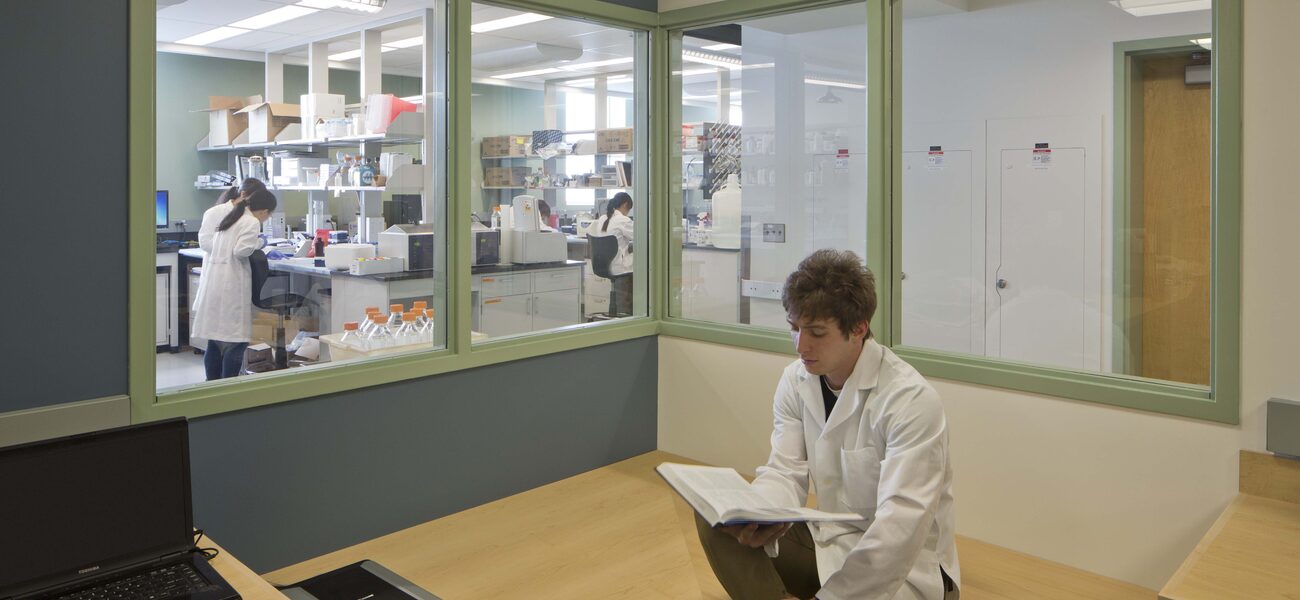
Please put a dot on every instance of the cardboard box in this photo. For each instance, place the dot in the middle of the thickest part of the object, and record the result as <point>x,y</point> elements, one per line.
<point>225,121</point>
<point>317,107</point>
<point>267,120</point>
<point>614,140</point>
<point>504,176</point>
<point>504,145</point>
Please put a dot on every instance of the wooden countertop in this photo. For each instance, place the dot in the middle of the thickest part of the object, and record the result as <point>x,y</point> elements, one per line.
<point>249,585</point>
<point>1252,551</point>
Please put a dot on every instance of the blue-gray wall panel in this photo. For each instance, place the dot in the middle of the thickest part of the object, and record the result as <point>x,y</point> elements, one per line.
<point>64,110</point>
<point>279,484</point>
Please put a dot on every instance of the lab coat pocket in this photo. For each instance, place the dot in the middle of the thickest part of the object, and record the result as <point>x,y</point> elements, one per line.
<point>861,470</point>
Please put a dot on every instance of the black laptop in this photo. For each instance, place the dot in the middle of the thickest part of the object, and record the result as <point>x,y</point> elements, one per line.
<point>103,515</point>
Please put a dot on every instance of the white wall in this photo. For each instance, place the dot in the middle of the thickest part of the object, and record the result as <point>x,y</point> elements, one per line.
<point>1117,492</point>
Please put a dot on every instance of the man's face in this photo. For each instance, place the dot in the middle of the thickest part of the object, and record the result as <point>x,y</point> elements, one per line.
<point>823,346</point>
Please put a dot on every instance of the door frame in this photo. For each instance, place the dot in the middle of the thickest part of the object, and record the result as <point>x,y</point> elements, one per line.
<point>1126,310</point>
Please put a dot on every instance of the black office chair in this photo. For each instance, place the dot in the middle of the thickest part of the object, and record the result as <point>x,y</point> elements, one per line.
<point>271,292</point>
<point>603,250</point>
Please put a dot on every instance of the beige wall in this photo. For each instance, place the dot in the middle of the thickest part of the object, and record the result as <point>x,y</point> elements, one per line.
<point>1117,492</point>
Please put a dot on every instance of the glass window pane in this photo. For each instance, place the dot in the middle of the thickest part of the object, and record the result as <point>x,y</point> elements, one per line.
<point>555,127</point>
<point>773,156</point>
<point>338,172</point>
<point>1055,211</point>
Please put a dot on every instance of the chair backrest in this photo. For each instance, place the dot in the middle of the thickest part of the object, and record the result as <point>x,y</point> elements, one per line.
<point>266,286</point>
<point>603,250</point>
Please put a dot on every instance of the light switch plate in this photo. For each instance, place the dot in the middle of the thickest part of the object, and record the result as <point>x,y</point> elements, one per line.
<point>774,233</point>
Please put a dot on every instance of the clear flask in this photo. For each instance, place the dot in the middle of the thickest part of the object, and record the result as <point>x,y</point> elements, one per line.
<point>394,316</point>
<point>379,336</point>
<point>352,336</point>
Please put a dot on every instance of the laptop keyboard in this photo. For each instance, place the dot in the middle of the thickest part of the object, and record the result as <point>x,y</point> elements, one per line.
<point>169,581</point>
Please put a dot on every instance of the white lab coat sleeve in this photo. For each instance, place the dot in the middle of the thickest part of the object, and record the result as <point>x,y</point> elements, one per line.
<point>911,484</point>
<point>247,241</point>
<point>624,229</point>
<point>784,479</point>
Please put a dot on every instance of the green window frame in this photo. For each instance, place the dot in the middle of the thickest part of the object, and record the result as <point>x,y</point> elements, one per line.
<point>147,404</point>
<point>1220,402</point>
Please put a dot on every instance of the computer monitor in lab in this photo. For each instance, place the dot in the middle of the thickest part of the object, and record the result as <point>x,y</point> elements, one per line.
<point>160,210</point>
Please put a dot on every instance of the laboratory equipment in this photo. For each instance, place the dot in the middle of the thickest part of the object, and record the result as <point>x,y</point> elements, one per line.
<point>726,215</point>
<point>411,243</point>
<point>487,246</point>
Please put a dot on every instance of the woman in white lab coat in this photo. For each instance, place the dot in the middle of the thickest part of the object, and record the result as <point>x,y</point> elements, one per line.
<point>223,306</point>
<point>615,222</point>
<point>227,202</point>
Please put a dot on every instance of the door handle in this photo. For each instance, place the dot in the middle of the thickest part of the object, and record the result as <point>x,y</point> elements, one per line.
<point>1002,284</point>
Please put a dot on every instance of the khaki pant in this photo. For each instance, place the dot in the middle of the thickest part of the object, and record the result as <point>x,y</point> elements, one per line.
<point>748,574</point>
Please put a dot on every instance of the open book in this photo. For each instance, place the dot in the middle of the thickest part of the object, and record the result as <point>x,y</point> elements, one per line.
<point>723,497</point>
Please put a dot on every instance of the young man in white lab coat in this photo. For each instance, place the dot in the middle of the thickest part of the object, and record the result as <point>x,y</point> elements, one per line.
<point>868,434</point>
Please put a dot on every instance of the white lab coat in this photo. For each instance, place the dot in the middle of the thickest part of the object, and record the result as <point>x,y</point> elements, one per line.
<point>208,226</point>
<point>223,306</point>
<point>884,455</point>
<point>620,226</point>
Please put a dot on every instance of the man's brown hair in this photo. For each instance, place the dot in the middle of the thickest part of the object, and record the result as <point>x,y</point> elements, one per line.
<point>834,285</point>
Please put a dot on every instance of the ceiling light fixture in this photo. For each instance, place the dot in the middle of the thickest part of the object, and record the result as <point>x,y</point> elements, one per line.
<point>690,72</point>
<point>368,6</point>
<point>355,54</point>
<point>838,84</point>
<point>212,36</point>
<point>1146,8</point>
<point>507,22</point>
<point>546,71</point>
<point>273,17</point>
<point>406,43</point>
<point>1204,43</point>
<point>717,47</point>
<point>717,60</point>
<point>599,63</point>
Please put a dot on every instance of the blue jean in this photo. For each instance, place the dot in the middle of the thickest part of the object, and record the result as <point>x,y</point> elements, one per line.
<point>223,359</point>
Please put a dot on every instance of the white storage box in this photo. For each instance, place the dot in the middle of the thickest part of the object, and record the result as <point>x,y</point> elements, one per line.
<point>341,256</point>
<point>315,107</point>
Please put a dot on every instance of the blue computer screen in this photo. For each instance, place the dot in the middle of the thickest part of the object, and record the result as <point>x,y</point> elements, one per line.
<point>160,210</point>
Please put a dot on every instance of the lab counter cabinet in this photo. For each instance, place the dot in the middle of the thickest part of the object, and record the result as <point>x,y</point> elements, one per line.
<point>518,299</point>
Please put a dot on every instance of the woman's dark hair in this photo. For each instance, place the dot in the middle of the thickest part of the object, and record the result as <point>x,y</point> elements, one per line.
<point>257,200</point>
<point>616,203</point>
<point>227,195</point>
<point>250,185</point>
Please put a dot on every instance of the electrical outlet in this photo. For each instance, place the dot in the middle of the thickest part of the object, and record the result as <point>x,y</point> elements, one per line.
<point>774,233</point>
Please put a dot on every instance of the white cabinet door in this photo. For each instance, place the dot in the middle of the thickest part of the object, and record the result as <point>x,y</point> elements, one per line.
<point>1040,283</point>
<point>556,309</point>
<point>506,315</point>
<point>162,313</point>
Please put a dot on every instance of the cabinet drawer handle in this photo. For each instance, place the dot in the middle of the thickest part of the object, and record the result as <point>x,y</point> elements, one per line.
<point>488,280</point>
<point>492,301</point>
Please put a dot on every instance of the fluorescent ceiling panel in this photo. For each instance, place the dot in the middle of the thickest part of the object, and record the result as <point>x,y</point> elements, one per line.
<point>1146,8</point>
<point>599,63</point>
<point>1204,43</point>
<point>717,47</point>
<point>355,54</point>
<point>717,60</point>
<point>507,22</point>
<point>839,84</point>
<point>547,71</point>
<point>212,36</point>
<point>406,43</point>
<point>273,17</point>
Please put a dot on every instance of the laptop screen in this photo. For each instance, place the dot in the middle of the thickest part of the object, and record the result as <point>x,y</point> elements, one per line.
<point>81,506</point>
